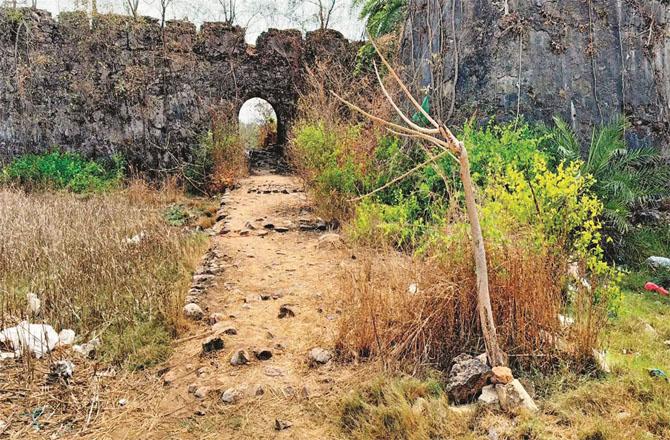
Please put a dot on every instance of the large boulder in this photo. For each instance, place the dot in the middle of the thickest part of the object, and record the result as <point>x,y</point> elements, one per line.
<point>467,377</point>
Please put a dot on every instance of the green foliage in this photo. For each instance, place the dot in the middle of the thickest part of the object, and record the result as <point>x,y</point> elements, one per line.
<point>176,215</point>
<point>382,16</point>
<point>329,162</point>
<point>217,161</point>
<point>137,346</point>
<point>625,178</point>
<point>561,208</point>
<point>61,170</point>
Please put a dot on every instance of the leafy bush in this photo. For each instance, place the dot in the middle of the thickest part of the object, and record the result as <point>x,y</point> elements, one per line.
<point>61,170</point>
<point>326,157</point>
<point>624,178</point>
<point>218,161</point>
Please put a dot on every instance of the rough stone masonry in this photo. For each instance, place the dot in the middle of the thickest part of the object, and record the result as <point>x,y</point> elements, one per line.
<point>584,60</point>
<point>111,84</point>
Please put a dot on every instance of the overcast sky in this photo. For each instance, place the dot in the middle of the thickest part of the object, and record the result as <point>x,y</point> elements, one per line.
<point>256,15</point>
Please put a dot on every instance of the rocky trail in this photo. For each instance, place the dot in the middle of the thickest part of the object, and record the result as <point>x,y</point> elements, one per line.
<point>258,361</point>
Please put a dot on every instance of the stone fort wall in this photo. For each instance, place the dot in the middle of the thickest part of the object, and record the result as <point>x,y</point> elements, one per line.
<point>111,84</point>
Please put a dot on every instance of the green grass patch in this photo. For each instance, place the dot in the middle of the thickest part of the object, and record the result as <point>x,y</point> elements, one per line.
<point>62,170</point>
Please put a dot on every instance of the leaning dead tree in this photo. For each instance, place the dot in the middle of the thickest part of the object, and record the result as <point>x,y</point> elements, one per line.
<point>439,135</point>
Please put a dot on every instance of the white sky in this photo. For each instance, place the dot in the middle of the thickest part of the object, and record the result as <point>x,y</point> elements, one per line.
<point>256,15</point>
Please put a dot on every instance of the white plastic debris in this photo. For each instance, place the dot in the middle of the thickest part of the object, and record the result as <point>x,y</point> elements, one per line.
<point>34,303</point>
<point>38,339</point>
<point>123,402</point>
<point>566,321</point>
<point>136,239</point>
<point>66,337</point>
<point>88,349</point>
<point>413,289</point>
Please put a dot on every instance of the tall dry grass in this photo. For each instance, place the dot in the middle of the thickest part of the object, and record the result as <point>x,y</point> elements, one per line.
<point>104,265</point>
<point>386,317</point>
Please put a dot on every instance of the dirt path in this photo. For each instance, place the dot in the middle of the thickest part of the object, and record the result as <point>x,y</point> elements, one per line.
<point>263,270</point>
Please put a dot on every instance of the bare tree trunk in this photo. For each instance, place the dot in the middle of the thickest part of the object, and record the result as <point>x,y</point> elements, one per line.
<point>439,135</point>
<point>495,355</point>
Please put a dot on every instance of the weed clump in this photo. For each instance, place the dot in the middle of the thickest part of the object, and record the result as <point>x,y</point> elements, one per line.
<point>62,170</point>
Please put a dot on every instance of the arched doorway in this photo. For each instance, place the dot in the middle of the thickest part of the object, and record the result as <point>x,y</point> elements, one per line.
<point>259,130</point>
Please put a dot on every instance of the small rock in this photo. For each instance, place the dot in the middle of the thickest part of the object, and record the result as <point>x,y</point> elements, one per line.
<point>263,354</point>
<point>169,378</point>
<point>223,328</point>
<point>192,387</point>
<point>249,225</point>
<point>200,412</point>
<point>319,356</point>
<point>659,262</point>
<point>259,390</point>
<point>202,371</point>
<point>193,311</point>
<point>123,402</point>
<point>273,372</point>
<point>651,331</point>
<point>214,343</point>
<point>483,358</point>
<point>268,225</point>
<point>306,393</point>
<point>281,229</point>
<point>286,311</point>
<point>201,393</point>
<point>244,232</point>
<point>239,357</point>
<point>513,396</point>
<point>413,289</point>
<point>281,425</point>
<point>215,318</point>
<point>467,377</point>
<point>262,233</point>
<point>502,375</point>
<point>288,391</point>
<point>266,297</point>
<point>489,395</point>
<point>66,337</point>
<point>231,396</point>
<point>252,298</point>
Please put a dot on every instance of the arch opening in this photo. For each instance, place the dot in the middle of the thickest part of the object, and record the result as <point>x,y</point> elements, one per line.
<point>261,134</point>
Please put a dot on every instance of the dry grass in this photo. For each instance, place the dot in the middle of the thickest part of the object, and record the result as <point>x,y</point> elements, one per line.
<point>78,255</point>
<point>384,317</point>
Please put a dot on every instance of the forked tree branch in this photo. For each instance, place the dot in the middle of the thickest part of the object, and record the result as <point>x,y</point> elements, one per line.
<point>442,137</point>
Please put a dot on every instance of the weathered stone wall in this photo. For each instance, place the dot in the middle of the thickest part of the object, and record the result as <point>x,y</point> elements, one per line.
<point>584,60</point>
<point>112,84</point>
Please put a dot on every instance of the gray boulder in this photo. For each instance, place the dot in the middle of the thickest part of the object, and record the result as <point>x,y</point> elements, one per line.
<point>467,377</point>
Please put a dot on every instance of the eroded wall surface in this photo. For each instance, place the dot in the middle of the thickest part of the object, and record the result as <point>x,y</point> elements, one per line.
<point>584,60</point>
<point>111,84</point>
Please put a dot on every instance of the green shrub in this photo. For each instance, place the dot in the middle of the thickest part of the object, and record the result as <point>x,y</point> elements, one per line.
<point>218,161</point>
<point>62,170</point>
<point>625,179</point>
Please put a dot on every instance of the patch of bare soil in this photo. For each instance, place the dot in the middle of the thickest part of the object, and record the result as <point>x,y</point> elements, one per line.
<point>275,301</point>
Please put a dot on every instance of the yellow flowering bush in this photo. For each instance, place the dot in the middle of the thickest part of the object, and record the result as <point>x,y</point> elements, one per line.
<point>562,212</point>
